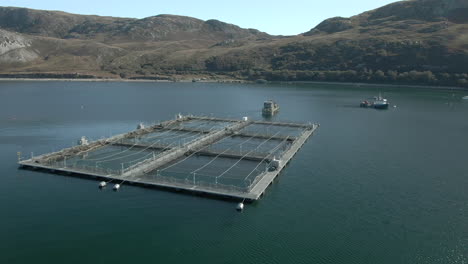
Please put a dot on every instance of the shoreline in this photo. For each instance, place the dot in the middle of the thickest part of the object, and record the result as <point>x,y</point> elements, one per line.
<point>118,80</point>
<point>455,88</point>
<point>387,85</point>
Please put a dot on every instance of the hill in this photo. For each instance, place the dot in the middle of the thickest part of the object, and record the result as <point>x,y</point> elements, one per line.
<point>419,41</point>
<point>411,42</point>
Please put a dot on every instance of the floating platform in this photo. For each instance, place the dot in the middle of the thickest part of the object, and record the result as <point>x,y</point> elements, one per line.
<point>220,157</point>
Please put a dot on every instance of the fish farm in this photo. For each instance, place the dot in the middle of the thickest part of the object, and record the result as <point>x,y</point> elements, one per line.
<point>225,158</point>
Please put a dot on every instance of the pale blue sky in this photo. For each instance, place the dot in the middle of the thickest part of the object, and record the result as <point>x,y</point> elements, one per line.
<point>274,17</point>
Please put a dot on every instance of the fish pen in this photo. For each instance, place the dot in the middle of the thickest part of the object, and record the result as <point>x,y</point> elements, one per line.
<point>222,157</point>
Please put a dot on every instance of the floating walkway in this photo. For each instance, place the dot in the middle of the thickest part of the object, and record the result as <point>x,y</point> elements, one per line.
<point>220,157</point>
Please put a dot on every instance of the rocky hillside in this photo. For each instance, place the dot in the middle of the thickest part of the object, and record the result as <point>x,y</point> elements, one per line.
<point>414,41</point>
<point>15,48</point>
<point>111,29</point>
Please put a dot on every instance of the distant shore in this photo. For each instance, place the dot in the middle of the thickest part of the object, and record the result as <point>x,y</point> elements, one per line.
<point>387,85</point>
<point>119,80</point>
<point>228,81</point>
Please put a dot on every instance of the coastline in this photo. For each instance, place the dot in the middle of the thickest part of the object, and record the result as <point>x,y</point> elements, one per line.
<point>388,85</point>
<point>455,88</point>
<point>117,80</point>
<point>110,80</point>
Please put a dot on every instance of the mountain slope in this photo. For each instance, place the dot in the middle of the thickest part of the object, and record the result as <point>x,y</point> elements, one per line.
<point>426,36</point>
<point>415,41</point>
<point>111,29</point>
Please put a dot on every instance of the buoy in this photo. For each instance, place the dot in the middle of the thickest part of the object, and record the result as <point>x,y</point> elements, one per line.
<point>394,106</point>
<point>102,184</point>
<point>116,187</point>
<point>240,207</point>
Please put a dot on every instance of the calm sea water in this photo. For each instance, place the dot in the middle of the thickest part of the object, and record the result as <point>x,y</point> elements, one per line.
<point>370,187</point>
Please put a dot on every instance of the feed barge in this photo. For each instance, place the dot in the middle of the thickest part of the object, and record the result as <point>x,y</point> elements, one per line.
<point>270,108</point>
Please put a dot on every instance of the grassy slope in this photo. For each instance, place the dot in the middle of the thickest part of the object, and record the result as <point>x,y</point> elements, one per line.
<point>418,35</point>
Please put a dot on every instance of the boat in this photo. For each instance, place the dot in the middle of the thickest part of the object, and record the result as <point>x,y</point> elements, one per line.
<point>465,97</point>
<point>366,104</point>
<point>270,107</point>
<point>378,103</point>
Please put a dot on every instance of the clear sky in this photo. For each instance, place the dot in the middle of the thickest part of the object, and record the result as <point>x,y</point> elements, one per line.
<point>287,17</point>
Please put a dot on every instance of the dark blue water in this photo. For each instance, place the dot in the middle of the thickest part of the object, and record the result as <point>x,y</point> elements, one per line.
<point>369,187</point>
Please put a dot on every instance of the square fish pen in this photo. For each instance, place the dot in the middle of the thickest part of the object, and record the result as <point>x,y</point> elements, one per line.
<point>222,157</point>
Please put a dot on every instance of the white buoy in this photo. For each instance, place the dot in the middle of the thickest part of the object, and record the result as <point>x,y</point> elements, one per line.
<point>245,118</point>
<point>116,187</point>
<point>240,207</point>
<point>394,106</point>
<point>102,184</point>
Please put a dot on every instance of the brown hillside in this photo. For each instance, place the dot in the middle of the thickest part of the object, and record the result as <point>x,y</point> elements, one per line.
<point>416,41</point>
